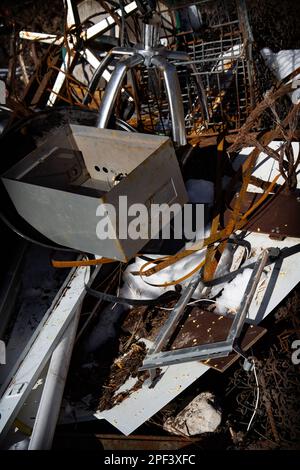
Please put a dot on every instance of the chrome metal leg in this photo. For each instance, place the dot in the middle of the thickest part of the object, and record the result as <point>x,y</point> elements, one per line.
<point>96,78</point>
<point>113,86</point>
<point>174,98</point>
<point>182,56</point>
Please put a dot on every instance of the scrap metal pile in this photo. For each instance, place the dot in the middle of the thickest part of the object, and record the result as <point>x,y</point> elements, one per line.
<point>165,103</point>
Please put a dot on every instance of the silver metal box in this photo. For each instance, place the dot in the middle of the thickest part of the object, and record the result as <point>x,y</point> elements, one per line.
<point>59,187</point>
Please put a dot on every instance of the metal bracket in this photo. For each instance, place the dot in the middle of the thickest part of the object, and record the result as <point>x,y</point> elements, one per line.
<point>150,54</point>
<point>157,358</point>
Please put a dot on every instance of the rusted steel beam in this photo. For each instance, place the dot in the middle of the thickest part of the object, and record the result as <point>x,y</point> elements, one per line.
<point>119,442</point>
<point>278,217</point>
<point>38,86</point>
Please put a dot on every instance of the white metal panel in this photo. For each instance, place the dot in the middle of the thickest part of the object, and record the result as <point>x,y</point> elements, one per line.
<point>23,379</point>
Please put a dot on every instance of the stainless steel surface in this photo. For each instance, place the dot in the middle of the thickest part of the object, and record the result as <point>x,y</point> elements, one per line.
<point>113,87</point>
<point>174,98</point>
<point>150,36</point>
<point>240,317</point>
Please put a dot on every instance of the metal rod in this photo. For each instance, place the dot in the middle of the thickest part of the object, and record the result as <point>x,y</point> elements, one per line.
<point>205,351</point>
<point>240,317</point>
<point>96,78</point>
<point>174,98</point>
<point>170,325</point>
<point>182,56</point>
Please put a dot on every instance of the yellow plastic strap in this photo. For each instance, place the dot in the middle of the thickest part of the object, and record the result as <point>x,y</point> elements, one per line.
<point>83,262</point>
<point>165,262</point>
<point>177,281</point>
<point>261,199</point>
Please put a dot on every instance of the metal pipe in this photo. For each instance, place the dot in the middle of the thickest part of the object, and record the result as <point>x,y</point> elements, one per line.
<point>150,36</point>
<point>96,78</point>
<point>183,56</point>
<point>2,352</point>
<point>113,87</point>
<point>248,39</point>
<point>49,408</point>
<point>174,98</point>
<point>240,317</point>
<point>100,72</point>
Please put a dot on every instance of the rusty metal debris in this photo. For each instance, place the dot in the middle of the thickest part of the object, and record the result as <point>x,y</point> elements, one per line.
<point>277,420</point>
<point>122,443</point>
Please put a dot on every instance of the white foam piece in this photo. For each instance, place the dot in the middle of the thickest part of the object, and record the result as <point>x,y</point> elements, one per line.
<point>135,287</point>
